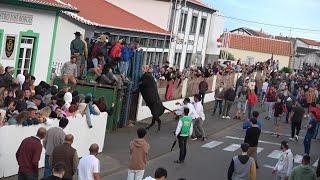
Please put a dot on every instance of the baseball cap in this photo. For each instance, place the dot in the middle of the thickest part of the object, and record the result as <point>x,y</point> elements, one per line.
<point>31,105</point>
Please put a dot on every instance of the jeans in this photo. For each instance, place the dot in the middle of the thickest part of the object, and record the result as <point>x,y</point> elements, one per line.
<point>135,174</point>
<point>317,130</point>
<point>47,169</point>
<point>307,143</point>
<point>27,176</point>
<point>124,66</point>
<point>250,108</point>
<point>238,90</point>
<point>217,103</point>
<point>198,128</point>
<point>280,177</point>
<point>287,114</point>
<point>202,97</point>
<point>183,147</point>
<point>269,108</point>
<point>227,107</point>
<point>295,128</point>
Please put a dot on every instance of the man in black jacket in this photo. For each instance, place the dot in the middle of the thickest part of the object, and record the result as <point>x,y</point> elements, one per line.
<point>229,97</point>
<point>252,138</point>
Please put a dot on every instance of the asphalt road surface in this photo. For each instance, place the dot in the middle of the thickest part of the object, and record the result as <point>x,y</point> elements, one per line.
<point>210,160</point>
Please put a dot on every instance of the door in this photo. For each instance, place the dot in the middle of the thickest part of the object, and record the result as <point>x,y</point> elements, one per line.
<point>25,55</point>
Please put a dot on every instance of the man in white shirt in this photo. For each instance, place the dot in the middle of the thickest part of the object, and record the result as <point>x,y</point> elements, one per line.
<point>198,123</point>
<point>89,166</point>
<point>284,165</point>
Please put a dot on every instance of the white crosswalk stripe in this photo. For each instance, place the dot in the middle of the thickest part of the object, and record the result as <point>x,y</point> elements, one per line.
<point>212,144</point>
<point>275,154</point>
<point>232,147</point>
<point>259,149</point>
<point>298,158</point>
<point>316,163</point>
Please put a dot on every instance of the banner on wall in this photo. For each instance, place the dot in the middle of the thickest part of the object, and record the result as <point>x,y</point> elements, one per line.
<point>9,47</point>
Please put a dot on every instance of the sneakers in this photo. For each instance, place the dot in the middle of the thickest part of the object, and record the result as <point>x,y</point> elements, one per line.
<point>178,162</point>
<point>291,139</point>
<point>227,117</point>
<point>296,137</point>
<point>194,139</point>
<point>223,117</point>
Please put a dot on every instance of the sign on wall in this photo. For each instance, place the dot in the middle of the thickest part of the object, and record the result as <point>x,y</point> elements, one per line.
<point>18,18</point>
<point>9,47</point>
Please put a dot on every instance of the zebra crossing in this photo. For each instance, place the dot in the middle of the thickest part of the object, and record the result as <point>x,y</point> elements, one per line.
<point>275,154</point>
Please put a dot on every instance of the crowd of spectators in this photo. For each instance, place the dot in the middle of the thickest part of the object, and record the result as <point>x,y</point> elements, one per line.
<point>98,60</point>
<point>23,103</point>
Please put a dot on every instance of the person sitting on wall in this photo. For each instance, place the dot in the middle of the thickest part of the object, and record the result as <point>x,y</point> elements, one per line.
<point>69,71</point>
<point>96,64</point>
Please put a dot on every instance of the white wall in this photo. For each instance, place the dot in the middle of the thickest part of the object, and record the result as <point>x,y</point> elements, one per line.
<point>64,36</point>
<point>216,29</point>
<point>156,12</point>
<point>43,23</point>
<point>13,135</point>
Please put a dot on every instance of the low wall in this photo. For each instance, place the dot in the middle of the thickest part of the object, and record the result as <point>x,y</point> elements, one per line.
<point>13,135</point>
<point>189,88</point>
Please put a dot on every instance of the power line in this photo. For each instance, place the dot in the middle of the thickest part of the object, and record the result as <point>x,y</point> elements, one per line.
<point>273,25</point>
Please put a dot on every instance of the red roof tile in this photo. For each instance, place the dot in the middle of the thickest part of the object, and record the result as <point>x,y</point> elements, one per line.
<point>52,3</point>
<point>105,14</point>
<point>259,44</point>
<point>310,42</point>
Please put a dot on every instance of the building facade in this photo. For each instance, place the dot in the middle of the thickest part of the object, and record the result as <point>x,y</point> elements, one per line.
<point>193,26</point>
<point>252,49</point>
<point>27,34</point>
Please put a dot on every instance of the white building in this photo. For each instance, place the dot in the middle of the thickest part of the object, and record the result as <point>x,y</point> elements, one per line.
<point>194,27</point>
<point>28,30</point>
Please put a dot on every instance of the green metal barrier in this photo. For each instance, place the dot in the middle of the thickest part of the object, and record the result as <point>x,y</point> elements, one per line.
<point>111,94</point>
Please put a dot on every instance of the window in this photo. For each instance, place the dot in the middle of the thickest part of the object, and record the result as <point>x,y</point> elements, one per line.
<point>188,60</point>
<point>135,39</point>
<point>165,58</point>
<point>167,43</point>
<point>194,21</point>
<point>203,25</point>
<point>144,42</point>
<point>113,38</point>
<point>152,43</point>
<point>160,43</point>
<point>183,21</point>
<point>125,38</point>
<point>177,58</point>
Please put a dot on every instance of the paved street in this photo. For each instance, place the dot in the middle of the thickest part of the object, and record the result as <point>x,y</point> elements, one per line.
<point>205,160</point>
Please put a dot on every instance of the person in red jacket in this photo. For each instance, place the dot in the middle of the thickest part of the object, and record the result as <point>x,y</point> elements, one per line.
<point>28,156</point>
<point>115,51</point>
<point>252,100</point>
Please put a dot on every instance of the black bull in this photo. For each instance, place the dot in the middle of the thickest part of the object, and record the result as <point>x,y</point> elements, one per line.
<point>149,92</point>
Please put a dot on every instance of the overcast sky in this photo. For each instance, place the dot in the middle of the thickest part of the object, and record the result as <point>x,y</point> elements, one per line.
<point>293,13</point>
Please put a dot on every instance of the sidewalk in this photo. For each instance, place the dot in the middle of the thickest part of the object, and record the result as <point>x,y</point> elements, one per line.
<point>117,143</point>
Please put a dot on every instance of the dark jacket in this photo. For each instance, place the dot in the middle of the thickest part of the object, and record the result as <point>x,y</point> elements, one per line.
<point>219,94</point>
<point>66,154</point>
<point>21,105</point>
<point>28,155</point>
<point>203,87</point>
<point>252,136</point>
<point>230,95</point>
